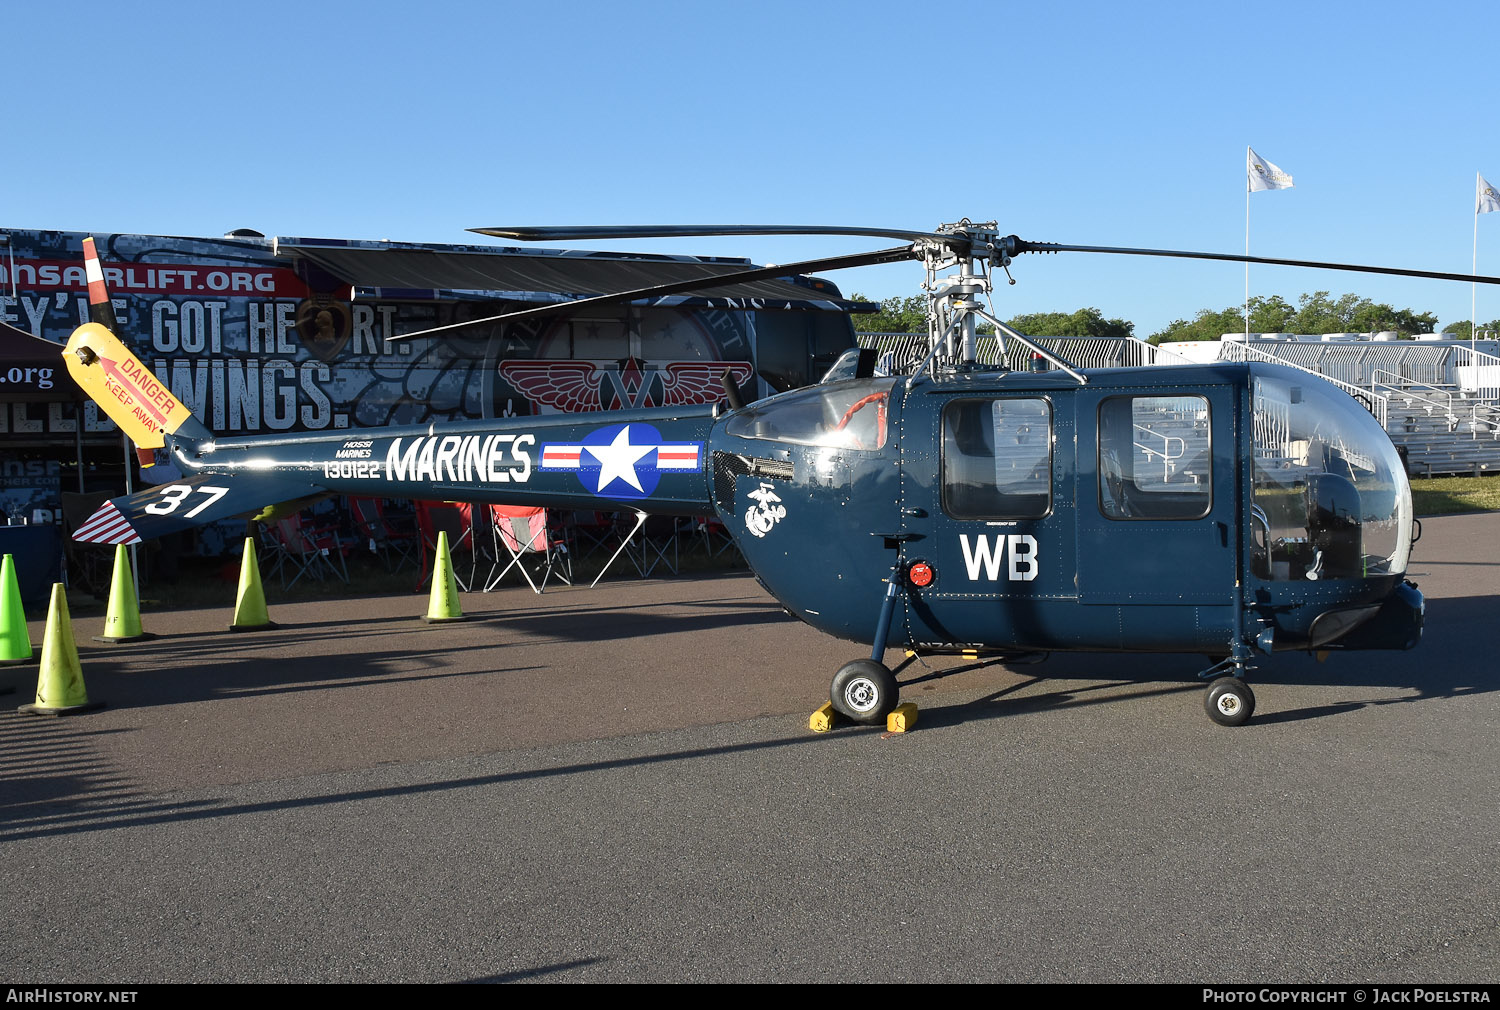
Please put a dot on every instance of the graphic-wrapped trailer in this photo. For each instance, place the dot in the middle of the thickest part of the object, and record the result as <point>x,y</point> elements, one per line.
<point>262,335</point>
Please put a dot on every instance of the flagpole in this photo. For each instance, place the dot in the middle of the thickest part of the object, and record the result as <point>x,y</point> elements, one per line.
<point>1247,243</point>
<point>1473,285</point>
<point>1271,177</point>
<point>1486,199</point>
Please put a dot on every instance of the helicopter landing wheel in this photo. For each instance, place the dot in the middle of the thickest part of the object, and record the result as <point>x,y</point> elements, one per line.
<point>864,691</point>
<point>1229,701</point>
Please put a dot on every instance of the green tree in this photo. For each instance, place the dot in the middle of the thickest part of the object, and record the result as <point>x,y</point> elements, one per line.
<point>1267,315</point>
<point>909,315</point>
<point>1373,318</point>
<point>1206,325</point>
<point>1270,315</point>
<point>1089,322</point>
<point>1318,313</point>
<point>1460,330</point>
<point>1315,313</point>
<point>896,315</point>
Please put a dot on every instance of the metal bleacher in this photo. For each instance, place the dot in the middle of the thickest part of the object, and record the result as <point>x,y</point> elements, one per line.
<point>1438,399</point>
<point>900,352</point>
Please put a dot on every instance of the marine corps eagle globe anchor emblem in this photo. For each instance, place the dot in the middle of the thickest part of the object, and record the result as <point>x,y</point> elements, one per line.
<point>766,512</point>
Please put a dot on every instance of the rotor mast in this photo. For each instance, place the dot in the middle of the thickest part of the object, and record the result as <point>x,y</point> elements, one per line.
<point>955,300</point>
<point>952,299</point>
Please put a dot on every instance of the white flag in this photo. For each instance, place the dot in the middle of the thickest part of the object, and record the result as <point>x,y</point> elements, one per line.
<point>1264,175</point>
<point>1485,197</point>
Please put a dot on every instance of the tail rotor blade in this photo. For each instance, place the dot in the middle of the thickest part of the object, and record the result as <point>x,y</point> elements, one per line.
<point>101,309</point>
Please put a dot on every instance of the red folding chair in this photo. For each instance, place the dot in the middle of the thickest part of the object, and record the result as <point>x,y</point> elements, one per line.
<point>522,535</point>
<point>309,550</point>
<point>384,537</point>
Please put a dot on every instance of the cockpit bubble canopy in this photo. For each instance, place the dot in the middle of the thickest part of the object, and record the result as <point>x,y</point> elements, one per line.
<point>1331,494</point>
<point>848,414</point>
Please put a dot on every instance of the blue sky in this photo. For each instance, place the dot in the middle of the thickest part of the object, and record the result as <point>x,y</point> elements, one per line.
<point>1091,123</point>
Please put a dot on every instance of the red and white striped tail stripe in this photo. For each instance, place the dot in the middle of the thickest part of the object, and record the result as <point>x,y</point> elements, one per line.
<point>107,526</point>
<point>677,457</point>
<point>561,457</point>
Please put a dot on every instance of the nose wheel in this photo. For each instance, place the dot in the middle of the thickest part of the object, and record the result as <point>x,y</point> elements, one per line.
<point>1229,701</point>
<point>864,691</point>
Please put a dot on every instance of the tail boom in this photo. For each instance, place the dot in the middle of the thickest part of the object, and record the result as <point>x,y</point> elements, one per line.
<point>652,461</point>
<point>646,461</point>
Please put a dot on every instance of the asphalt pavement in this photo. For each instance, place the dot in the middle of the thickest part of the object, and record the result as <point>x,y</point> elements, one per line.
<point>619,784</point>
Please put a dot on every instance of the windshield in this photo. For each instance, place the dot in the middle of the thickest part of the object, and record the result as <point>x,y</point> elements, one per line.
<point>1331,496</point>
<point>849,415</point>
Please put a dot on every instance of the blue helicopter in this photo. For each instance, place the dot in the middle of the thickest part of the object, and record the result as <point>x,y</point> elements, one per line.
<point>1223,509</point>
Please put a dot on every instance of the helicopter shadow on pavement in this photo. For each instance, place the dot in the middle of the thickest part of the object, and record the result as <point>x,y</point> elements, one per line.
<point>619,623</point>
<point>1454,658</point>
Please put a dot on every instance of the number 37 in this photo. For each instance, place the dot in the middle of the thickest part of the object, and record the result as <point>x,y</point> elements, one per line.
<point>173,495</point>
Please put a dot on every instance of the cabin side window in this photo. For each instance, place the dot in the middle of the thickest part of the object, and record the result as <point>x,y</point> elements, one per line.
<point>997,459</point>
<point>1154,457</point>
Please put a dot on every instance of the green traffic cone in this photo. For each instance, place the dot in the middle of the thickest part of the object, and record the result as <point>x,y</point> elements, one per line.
<point>122,621</point>
<point>443,605</point>
<point>59,683</point>
<point>15,641</point>
<point>250,602</point>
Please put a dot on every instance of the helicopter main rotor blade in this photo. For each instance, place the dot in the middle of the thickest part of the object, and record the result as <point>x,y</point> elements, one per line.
<point>1020,245</point>
<point>614,231</point>
<point>895,255</point>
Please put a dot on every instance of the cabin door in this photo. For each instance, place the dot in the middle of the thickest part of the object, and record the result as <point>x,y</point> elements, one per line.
<point>1157,495</point>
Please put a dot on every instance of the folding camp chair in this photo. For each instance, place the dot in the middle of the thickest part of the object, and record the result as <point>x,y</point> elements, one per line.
<point>455,519</point>
<point>710,533</point>
<point>625,537</point>
<point>274,558</point>
<point>522,540</point>
<point>648,541</point>
<point>592,531</point>
<point>305,549</point>
<point>395,545</point>
<point>657,546</point>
